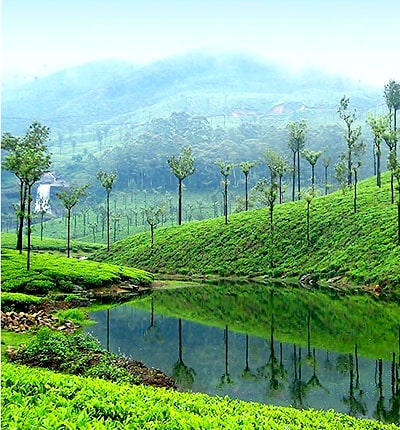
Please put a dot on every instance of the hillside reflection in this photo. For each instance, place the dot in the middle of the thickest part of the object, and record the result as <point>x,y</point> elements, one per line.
<point>223,361</point>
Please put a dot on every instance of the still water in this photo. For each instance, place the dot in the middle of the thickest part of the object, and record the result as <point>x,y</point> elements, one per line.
<point>223,359</point>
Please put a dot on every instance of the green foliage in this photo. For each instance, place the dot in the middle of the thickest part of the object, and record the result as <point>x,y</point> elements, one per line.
<point>250,307</point>
<point>79,354</point>
<point>51,273</point>
<point>13,301</point>
<point>33,399</point>
<point>183,165</point>
<point>77,316</point>
<point>354,245</point>
<point>8,240</point>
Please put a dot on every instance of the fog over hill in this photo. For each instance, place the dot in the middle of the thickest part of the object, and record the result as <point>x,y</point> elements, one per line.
<point>117,92</point>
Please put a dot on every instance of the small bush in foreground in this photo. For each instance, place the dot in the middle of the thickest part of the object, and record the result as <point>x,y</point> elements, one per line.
<point>83,355</point>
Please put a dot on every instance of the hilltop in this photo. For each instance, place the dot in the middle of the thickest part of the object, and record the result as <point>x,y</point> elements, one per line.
<point>358,247</point>
<point>114,92</point>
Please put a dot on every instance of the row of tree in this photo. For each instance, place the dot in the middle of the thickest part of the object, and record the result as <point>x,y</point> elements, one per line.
<point>28,158</point>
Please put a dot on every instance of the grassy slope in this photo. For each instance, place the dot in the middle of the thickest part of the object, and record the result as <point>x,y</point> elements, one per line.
<point>361,246</point>
<point>54,272</point>
<point>33,398</point>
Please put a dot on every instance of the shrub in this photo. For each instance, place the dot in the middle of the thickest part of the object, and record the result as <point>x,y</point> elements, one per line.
<point>17,301</point>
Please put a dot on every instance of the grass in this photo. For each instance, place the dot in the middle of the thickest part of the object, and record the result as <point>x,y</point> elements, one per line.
<point>43,399</point>
<point>55,273</point>
<point>57,246</point>
<point>360,246</point>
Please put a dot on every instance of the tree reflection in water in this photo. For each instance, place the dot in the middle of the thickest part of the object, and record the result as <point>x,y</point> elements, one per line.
<point>273,370</point>
<point>247,373</point>
<point>226,377</point>
<point>152,333</point>
<point>182,374</point>
<point>354,400</point>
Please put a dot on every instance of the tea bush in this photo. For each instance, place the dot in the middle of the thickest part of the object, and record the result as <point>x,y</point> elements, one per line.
<point>50,273</point>
<point>18,301</point>
<point>353,245</point>
<point>43,399</point>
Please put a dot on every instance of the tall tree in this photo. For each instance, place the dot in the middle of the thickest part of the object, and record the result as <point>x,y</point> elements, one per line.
<point>268,192</point>
<point>153,217</point>
<point>312,157</point>
<point>28,158</point>
<point>277,165</point>
<point>246,166</point>
<point>378,127</point>
<point>394,165</point>
<point>352,136</point>
<point>326,162</point>
<point>392,96</point>
<point>107,180</point>
<point>182,167</point>
<point>70,197</point>
<point>308,197</point>
<point>355,168</point>
<point>297,139</point>
<point>225,170</point>
<point>390,137</point>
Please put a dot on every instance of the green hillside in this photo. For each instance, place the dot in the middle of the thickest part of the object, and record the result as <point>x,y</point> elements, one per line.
<point>361,246</point>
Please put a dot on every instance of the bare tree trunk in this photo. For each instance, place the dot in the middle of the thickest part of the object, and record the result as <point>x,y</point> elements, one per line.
<point>108,220</point>
<point>180,202</point>
<point>294,177</point>
<point>68,232</point>
<point>298,175</point>
<point>28,259</point>
<point>21,216</point>
<point>247,190</point>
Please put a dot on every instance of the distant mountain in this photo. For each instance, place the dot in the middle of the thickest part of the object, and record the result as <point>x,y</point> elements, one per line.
<point>117,92</point>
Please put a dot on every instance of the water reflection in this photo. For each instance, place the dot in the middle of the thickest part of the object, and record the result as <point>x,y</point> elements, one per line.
<point>223,361</point>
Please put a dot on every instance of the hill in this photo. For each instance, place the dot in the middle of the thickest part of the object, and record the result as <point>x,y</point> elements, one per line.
<point>114,92</point>
<point>359,247</point>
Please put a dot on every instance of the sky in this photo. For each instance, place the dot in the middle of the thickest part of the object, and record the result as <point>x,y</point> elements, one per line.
<point>355,38</point>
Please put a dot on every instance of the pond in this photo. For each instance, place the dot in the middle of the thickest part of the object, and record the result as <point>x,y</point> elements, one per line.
<point>266,343</point>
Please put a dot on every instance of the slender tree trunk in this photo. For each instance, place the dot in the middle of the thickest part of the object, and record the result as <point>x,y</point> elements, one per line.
<point>226,200</point>
<point>378,168</point>
<point>246,175</point>
<point>21,216</point>
<point>312,176</point>
<point>308,223</point>
<point>355,191</point>
<point>392,187</point>
<point>68,232</point>
<point>294,177</point>
<point>298,175</point>
<point>180,202</point>
<point>326,180</point>
<point>108,220</point>
<point>41,224</point>
<point>28,259</point>
<point>152,234</point>
<point>349,170</point>
<point>280,189</point>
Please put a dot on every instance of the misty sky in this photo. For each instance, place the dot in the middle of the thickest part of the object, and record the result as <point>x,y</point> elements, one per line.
<point>359,38</point>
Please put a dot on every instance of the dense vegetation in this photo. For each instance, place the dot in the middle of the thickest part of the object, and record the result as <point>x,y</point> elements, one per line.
<point>55,273</point>
<point>32,398</point>
<point>133,119</point>
<point>360,246</point>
